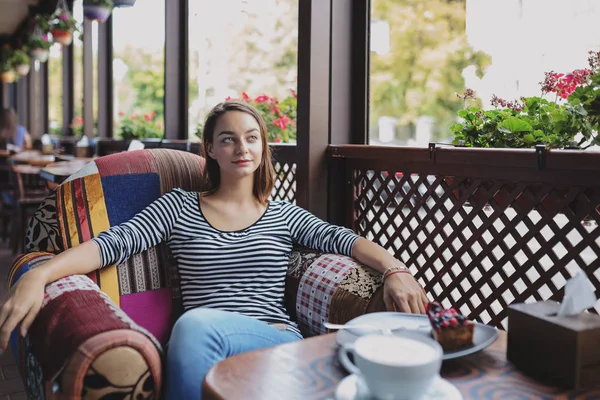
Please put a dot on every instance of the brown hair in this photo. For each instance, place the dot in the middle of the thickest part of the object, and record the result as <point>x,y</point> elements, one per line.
<point>264,176</point>
<point>8,125</point>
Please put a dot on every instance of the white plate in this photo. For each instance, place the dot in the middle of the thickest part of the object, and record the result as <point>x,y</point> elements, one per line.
<point>352,388</point>
<point>483,335</point>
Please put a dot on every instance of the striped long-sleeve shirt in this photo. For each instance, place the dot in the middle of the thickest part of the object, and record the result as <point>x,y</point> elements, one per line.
<point>241,271</point>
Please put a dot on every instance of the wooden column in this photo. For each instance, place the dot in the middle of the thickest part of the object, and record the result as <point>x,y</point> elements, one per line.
<point>68,84</point>
<point>22,103</point>
<point>88,80</point>
<point>333,63</point>
<point>176,69</point>
<point>314,66</point>
<point>349,97</point>
<point>105,79</point>
<point>43,100</point>
<point>12,95</point>
<point>33,125</point>
<point>350,61</point>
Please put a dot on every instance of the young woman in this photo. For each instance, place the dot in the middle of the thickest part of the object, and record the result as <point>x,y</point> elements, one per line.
<point>11,131</point>
<point>232,245</point>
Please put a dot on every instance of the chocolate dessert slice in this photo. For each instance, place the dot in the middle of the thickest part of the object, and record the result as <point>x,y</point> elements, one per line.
<point>451,329</point>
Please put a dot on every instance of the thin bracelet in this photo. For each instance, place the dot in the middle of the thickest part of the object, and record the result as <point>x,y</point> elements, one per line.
<point>395,268</point>
<point>401,271</point>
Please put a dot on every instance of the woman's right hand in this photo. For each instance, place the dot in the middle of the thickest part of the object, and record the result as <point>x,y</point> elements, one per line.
<point>21,305</point>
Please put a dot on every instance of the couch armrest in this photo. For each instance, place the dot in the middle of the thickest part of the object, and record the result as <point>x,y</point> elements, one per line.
<point>81,342</point>
<point>330,287</point>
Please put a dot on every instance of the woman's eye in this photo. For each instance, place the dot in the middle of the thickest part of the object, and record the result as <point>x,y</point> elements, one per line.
<point>227,139</point>
<point>253,137</point>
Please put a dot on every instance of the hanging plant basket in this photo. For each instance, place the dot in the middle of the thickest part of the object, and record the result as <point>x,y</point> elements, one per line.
<point>22,69</point>
<point>96,12</point>
<point>62,37</point>
<point>8,76</point>
<point>124,3</point>
<point>39,54</point>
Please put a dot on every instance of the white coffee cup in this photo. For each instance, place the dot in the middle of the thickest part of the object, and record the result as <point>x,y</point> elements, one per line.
<point>394,367</point>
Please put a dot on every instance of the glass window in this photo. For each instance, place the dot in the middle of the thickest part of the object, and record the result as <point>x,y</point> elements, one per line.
<point>419,56</point>
<point>138,70</point>
<point>425,54</point>
<point>55,89</point>
<point>245,49</point>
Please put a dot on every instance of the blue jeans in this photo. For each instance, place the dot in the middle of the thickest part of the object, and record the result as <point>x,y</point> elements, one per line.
<point>202,337</point>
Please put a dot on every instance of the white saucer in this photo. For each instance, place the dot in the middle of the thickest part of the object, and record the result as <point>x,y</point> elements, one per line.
<point>352,388</point>
<point>483,335</point>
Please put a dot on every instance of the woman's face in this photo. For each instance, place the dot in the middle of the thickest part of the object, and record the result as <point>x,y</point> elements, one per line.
<point>236,144</point>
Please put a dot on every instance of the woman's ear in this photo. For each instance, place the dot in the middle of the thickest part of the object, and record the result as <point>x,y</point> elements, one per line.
<point>209,150</point>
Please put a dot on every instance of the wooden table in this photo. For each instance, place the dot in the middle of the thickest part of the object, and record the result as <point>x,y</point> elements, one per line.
<point>309,369</point>
<point>58,172</point>
<point>33,157</point>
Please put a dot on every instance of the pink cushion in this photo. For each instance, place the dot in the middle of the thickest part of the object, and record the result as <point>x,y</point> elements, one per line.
<point>151,310</point>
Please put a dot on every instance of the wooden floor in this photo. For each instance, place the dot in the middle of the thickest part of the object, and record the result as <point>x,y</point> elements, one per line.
<point>11,387</point>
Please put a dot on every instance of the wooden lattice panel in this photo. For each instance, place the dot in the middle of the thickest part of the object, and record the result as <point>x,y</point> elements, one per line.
<point>479,245</point>
<point>285,182</point>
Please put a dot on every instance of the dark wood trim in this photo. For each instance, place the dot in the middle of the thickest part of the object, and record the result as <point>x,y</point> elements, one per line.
<point>44,94</point>
<point>350,22</point>
<point>88,80</point>
<point>561,167</point>
<point>32,96</point>
<point>22,103</point>
<point>68,84</point>
<point>176,69</point>
<point>105,79</point>
<point>359,63</point>
<point>314,67</point>
<point>68,76</point>
<point>12,95</point>
<point>284,152</point>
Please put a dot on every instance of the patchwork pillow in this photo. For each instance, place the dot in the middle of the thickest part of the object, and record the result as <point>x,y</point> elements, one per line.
<point>111,190</point>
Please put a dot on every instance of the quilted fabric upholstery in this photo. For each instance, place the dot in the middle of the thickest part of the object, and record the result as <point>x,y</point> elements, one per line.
<point>84,336</point>
<point>112,190</point>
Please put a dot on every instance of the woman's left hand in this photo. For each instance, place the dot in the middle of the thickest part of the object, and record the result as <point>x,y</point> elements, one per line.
<point>401,292</point>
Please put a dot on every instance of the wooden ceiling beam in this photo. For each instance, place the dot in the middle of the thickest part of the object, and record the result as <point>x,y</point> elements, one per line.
<point>25,27</point>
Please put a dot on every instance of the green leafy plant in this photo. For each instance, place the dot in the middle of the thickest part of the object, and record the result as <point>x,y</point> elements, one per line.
<point>39,42</point>
<point>19,57</point>
<point>144,126</point>
<point>77,126</point>
<point>42,22</point>
<point>6,59</point>
<point>280,116</point>
<point>63,21</point>
<point>198,130</point>
<point>571,120</point>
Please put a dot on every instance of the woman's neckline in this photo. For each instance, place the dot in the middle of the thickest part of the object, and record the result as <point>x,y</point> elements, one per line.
<point>234,231</point>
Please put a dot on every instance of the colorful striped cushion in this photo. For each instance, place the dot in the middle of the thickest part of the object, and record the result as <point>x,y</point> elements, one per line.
<point>111,190</point>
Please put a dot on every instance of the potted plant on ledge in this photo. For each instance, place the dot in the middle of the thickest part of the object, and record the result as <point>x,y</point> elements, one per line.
<point>140,127</point>
<point>62,26</point>
<point>570,121</point>
<point>97,10</point>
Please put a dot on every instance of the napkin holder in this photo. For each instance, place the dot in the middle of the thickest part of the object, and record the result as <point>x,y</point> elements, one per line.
<point>47,149</point>
<point>559,351</point>
<point>83,151</point>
